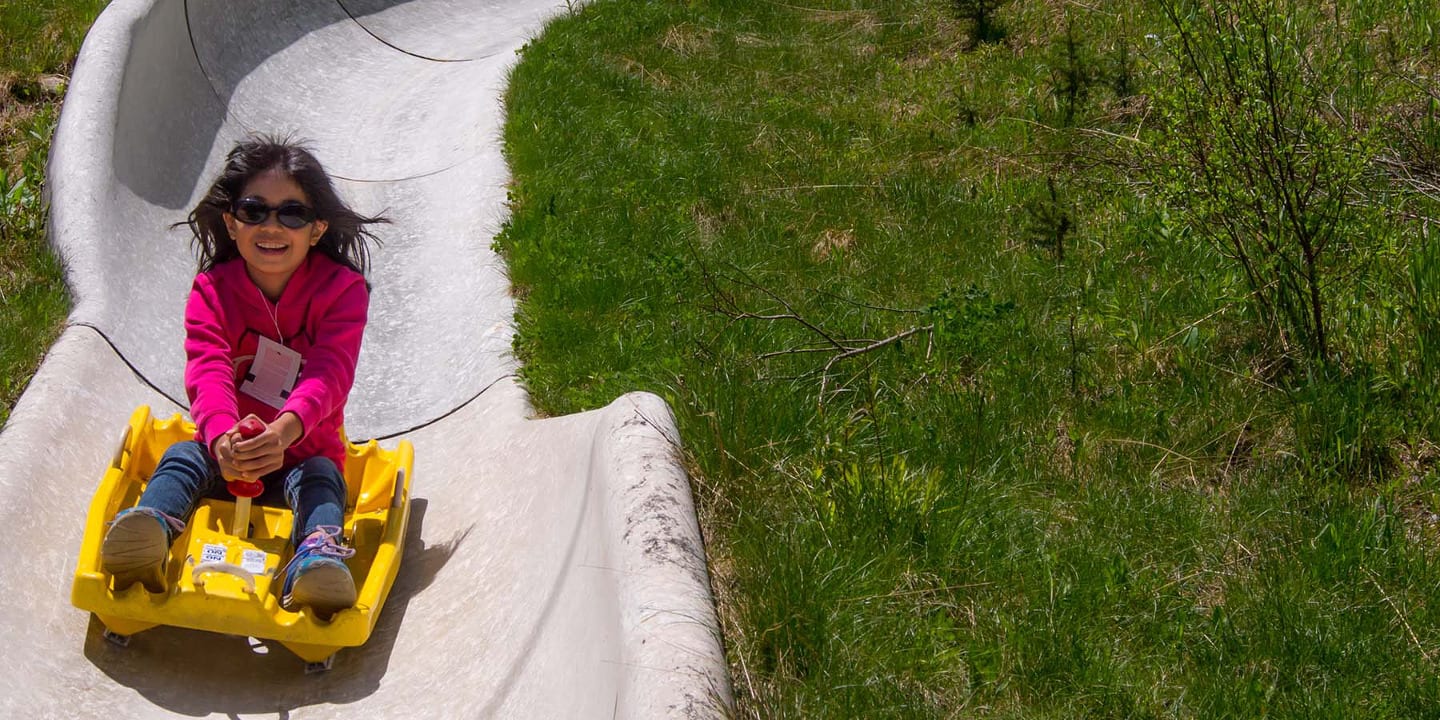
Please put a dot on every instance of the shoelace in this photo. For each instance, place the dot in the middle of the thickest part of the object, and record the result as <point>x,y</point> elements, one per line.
<point>323,545</point>
<point>174,524</point>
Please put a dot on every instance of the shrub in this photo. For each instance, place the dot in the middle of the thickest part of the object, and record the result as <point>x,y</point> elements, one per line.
<point>1260,153</point>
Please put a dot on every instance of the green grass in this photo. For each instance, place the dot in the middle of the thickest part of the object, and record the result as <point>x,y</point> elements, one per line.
<point>1096,487</point>
<point>1089,488</point>
<point>41,41</point>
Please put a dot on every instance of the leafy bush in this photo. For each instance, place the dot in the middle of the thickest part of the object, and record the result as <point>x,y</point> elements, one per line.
<point>1261,150</point>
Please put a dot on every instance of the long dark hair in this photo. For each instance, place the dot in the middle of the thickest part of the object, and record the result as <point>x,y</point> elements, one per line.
<point>345,241</point>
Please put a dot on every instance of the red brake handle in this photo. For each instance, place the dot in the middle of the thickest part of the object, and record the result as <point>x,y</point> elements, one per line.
<point>250,427</point>
<point>240,488</point>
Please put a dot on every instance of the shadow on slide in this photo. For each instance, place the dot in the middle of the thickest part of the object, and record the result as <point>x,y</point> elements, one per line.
<point>198,667</point>
<point>207,70</point>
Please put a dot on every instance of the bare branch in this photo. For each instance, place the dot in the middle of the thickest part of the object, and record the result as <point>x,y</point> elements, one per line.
<point>790,313</point>
<point>794,351</point>
<point>877,345</point>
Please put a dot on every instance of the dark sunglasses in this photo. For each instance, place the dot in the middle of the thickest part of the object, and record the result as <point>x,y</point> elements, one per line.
<point>291,214</point>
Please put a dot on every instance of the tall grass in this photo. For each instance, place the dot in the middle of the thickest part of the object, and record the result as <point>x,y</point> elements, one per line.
<point>41,39</point>
<point>979,421</point>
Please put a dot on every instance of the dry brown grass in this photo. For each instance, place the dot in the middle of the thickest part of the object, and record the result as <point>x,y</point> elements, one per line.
<point>638,70</point>
<point>21,100</point>
<point>832,241</point>
<point>13,117</point>
<point>686,40</point>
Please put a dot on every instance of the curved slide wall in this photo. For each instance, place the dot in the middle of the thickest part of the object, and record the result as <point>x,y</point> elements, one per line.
<point>554,567</point>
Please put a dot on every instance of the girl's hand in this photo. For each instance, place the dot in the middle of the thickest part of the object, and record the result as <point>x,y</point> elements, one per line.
<point>224,453</point>
<point>252,459</point>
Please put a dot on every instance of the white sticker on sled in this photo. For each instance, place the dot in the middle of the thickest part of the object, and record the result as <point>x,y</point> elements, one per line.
<point>253,561</point>
<point>212,553</point>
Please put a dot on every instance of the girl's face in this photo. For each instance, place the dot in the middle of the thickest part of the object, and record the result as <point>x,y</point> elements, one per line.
<point>271,250</point>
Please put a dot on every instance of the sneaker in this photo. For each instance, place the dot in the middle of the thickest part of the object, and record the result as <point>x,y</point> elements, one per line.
<point>317,576</point>
<point>136,547</point>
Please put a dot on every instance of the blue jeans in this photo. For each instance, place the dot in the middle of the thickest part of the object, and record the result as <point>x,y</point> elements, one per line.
<point>314,490</point>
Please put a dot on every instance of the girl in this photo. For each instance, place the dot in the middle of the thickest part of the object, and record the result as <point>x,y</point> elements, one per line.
<point>272,331</point>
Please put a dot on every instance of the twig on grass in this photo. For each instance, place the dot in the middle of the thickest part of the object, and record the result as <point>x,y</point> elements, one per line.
<point>793,351</point>
<point>1168,452</point>
<point>852,352</point>
<point>838,347</point>
<point>1398,613</point>
<point>787,188</point>
<point>728,306</point>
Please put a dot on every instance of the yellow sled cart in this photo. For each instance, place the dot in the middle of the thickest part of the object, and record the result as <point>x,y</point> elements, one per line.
<point>224,579</point>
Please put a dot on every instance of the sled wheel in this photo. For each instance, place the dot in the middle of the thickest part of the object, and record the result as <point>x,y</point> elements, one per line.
<point>315,668</point>
<point>116,639</point>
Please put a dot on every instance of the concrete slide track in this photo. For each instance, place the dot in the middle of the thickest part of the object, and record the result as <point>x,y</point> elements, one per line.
<point>554,567</point>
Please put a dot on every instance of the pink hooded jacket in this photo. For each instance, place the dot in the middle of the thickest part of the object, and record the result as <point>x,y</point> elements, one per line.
<point>321,315</point>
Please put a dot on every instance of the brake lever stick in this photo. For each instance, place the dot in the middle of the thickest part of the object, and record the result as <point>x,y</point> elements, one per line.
<point>242,490</point>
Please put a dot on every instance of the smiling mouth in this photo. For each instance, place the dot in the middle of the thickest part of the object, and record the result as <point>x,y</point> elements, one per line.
<point>271,247</point>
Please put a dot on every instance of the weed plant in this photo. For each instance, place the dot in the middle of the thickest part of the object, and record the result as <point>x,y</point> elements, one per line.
<point>1265,147</point>
<point>982,420</point>
<point>41,39</point>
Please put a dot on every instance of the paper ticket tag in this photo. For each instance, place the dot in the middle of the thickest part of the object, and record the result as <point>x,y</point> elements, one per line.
<point>253,561</point>
<point>272,373</point>
<point>212,553</point>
